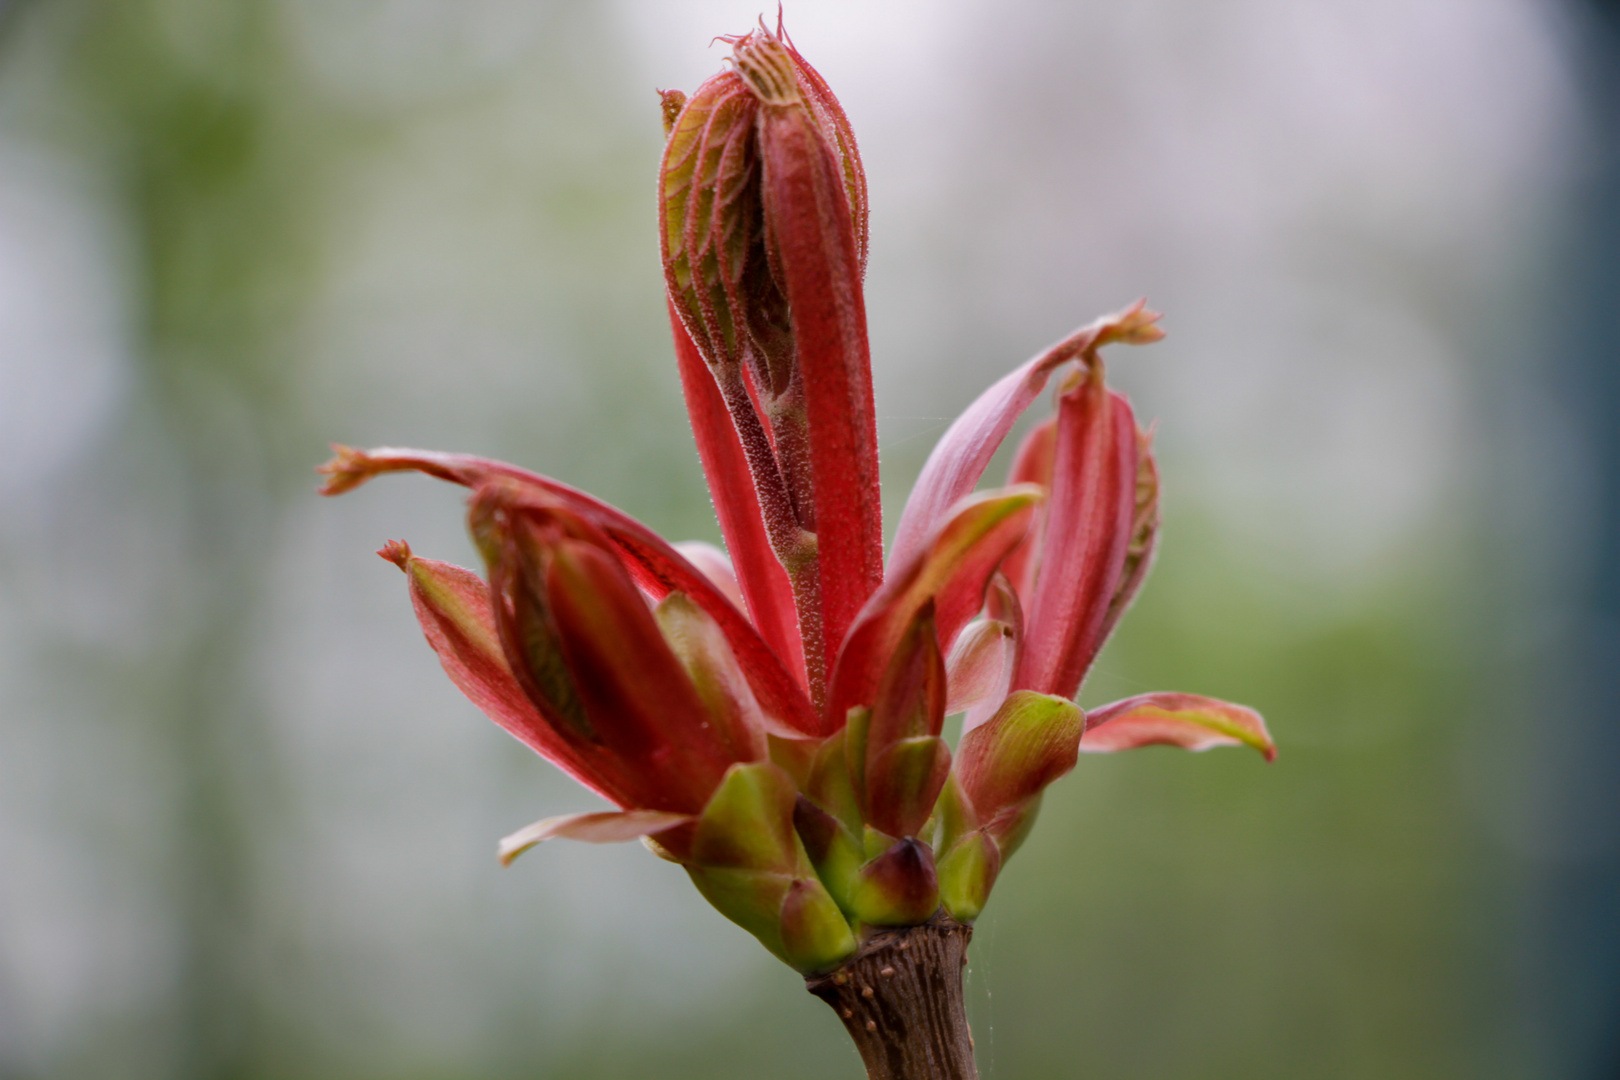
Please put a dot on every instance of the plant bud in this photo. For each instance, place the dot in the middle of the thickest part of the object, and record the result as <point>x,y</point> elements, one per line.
<point>967,873</point>
<point>815,934</point>
<point>833,850</point>
<point>899,887</point>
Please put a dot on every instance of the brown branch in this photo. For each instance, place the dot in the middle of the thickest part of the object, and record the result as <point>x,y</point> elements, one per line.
<point>900,998</point>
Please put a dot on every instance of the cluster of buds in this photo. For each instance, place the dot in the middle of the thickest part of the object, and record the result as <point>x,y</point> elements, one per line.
<point>772,720</point>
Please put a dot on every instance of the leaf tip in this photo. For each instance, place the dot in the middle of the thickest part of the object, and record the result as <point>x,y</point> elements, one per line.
<point>347,470</point>
<point>670,103</point>
<point>511,847</point>
<point>397,552</point>
<point>1137,325</point>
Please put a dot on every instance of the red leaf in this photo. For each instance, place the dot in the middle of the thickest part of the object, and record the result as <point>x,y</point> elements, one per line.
<point>453,608</point>
<point>1089,519</point>
<point>731,485</point>
<point>656,566</point>
<point>812,233</point>
<point>636,694</point>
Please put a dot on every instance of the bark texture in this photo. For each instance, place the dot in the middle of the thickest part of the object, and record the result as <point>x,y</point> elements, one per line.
<point>900,998</point>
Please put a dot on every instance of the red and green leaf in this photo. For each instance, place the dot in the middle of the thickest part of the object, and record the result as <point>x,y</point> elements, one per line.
<point>957,560</point>
<point>702,651</point>
<point>1031,741</point>
<point>1185,720</point>
<point>651,561</point>
<point>899,887</point>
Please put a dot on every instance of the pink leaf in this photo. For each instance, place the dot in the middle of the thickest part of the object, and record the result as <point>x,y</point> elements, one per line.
<point>1002,609</point>
<point>608,827</point>
<point>715,566</point>
<point>980,669</point>
<point>976,662</point>
<point>1185,720</point>
<point>959,458</point>
<point>1031,465</point>
<point>1144,540</point>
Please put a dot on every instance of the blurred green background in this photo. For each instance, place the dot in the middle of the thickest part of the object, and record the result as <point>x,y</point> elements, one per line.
<point>246,825</point>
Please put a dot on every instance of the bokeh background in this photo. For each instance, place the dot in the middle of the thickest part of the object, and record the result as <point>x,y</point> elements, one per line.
<point>246,825</point>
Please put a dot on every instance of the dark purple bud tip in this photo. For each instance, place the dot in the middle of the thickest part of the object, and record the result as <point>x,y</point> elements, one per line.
<point>899,887</point>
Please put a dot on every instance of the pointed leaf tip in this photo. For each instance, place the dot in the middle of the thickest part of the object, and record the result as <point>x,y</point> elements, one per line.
<point>1185,720</point>
<point>397,552</point>
<point>654,564</point>
<point>453,607</point>
<point>671,102</point>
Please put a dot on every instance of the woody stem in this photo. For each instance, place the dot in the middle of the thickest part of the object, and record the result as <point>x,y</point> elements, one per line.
<point>900,999</point>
